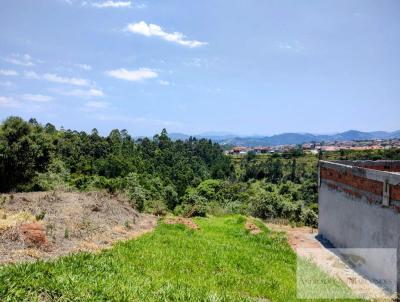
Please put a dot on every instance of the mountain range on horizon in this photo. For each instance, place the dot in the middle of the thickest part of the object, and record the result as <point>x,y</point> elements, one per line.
<point>225,138</point>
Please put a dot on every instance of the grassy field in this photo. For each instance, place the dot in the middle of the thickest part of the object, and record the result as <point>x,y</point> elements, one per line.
<point>219,262</point>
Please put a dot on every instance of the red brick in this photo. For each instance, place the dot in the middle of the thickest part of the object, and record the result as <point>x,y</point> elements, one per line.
<point>395,192</point>
<point>347,178</point>
<point>389,168</point>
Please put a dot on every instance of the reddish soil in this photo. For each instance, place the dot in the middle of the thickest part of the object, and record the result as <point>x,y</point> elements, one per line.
<point>181,220</point>
<point>252,228</point>
<point>33,234</point>
<point>302,237</point>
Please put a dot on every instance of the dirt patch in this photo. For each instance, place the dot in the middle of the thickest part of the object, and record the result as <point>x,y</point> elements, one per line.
<point>304,242</point>
<point>33,234</point>
<point>45,225</point>
<point>252,228</point>
<point>181,220</point>
<point>302,237</point>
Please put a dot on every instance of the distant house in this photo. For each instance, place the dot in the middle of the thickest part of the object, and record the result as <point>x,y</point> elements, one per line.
<point>240,150</point>
<point>261,150</point>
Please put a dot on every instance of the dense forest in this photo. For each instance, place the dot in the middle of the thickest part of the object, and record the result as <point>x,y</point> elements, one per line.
<point>159,175</point>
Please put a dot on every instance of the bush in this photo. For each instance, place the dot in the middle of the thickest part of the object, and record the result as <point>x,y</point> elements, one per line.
<point>55,178</point>
<point>191,210</point>
<point>310,218</point>
<point>135,192</point>
<point>237,207</point>
<point>265,205</point>
<point>155,207</point>
<point>171,197</point>
<point>215,209</point>
<point>288,210</point>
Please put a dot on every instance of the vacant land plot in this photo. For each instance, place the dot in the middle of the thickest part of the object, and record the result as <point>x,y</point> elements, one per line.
<point>219,261</point>
<point>45,225</point>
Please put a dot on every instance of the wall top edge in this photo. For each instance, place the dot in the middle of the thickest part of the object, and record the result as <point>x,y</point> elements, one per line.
<point>392,178</point>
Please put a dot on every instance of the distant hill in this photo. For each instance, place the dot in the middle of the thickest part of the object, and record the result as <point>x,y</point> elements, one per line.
<point>289,138</point>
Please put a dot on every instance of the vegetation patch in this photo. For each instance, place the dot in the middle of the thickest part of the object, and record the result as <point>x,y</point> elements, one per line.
<point>221,261</point>
<point>12,219</point>
<point>159,175</point>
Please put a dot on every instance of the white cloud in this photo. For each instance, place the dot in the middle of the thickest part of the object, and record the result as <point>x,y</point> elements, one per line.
<point>84,66</point>
<point>132,75</point>
<point>149,30</point>
<point>8,72</point>
<point>51,77</point>
<point>164,83</point>
<point>17,59</point>
<point>109,4</point>
<point>32,75</point>
<point>8,102</point>
<point>39,98</point>
<point>84,93</point>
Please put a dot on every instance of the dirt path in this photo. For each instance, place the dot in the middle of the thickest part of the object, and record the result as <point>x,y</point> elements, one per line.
<point>304,242</point>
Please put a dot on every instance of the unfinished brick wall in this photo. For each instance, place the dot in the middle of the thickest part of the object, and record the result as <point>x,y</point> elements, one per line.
<point>380,165</point>
<point>387,168</point>
<point>353,180</point>
<point>359,207</point>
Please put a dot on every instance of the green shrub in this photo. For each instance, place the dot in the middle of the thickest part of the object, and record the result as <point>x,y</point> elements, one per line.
<point>135,192</point>
<point>155,207</point>
<point>264,205</point>
<point>171,197</point>
<point>310,218</point>
<point>215,209</point>
<point>55,178</point>
<point>41,215</point>
<point>191,210</point>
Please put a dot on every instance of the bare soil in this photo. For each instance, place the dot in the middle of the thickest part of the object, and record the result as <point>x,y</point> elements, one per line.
<point>252,228</point>
<point>181,220</point>
<point>45,225</point>
<point>304,242</point>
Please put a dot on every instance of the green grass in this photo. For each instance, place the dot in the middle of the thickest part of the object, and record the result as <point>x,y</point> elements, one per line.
<point>219,262</point>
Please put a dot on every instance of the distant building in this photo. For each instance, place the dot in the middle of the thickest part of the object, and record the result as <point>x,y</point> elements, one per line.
<point>240,150</point>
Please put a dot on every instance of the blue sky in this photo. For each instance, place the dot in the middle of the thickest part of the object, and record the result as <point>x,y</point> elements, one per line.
<point>245,67</point>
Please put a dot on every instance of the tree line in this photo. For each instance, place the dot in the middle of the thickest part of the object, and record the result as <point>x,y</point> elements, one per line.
<point>159,175</point>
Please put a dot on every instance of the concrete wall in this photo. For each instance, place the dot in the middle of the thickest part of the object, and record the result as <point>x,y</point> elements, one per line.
<point>359,207</point>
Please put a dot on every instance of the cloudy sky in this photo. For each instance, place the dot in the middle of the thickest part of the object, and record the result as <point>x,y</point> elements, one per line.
<point>245,67</point>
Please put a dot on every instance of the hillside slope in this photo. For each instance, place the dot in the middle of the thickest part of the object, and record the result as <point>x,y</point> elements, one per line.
<point>44,225</point>
<point>220,260</point>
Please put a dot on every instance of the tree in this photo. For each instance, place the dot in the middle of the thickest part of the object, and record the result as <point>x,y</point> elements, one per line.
<point>293,170</point>
<point>24,150</point>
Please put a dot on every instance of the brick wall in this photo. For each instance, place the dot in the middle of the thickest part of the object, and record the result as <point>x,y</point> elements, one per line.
<point>347,178</point>
<point>353,180</point>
